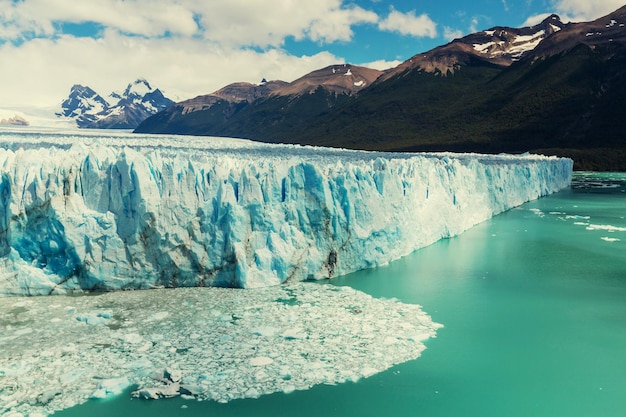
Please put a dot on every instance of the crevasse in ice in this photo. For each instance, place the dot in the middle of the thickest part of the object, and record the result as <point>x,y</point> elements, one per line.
<point>125,212</point>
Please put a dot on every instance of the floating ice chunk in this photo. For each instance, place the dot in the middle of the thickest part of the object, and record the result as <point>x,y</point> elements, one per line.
<point>110,387</point>
<point>261,361</point>
<point>24,331</point>
<point>70,377</point>
<point>145,347</point>
<point>537,212</point>
<point>295,333</point>
<point>368,371</point>
<point>192,390</point>
<point>93,320</point>
<point>288,388</point>
<point>390,340</point>
<point>570,217</point>
<point>47,396</point>
<point>173,375</point>
<point>154,393</point>
<point>161,315</point>
<point>266,331</point>
<point>606,227</point>
<point>132,338</point>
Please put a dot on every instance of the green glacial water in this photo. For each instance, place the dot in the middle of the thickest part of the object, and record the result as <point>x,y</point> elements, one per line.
<point>534,307</point>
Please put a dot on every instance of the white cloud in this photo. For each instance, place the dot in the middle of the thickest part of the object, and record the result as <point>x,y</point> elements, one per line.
<point>233,22</point>
<point>338,25</point>
<point>451,34</point>
<point>474,25</point>
<point>40,72</point>
<point>584,10</point>
<point>381,64</point>
<point>577,10</point>
<point>241,22</point>
<point>186,47</point>
<point>535,20</point>
<point>138,17</point>
<point>409,24</point>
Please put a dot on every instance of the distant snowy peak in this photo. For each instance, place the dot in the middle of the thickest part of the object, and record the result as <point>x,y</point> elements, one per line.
<point>123,110</point>
<point>135,91</point>
<point>82,100</point>
<point>139,88</point>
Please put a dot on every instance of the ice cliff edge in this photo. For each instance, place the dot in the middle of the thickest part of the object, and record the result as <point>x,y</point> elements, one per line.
<point>97,213</point>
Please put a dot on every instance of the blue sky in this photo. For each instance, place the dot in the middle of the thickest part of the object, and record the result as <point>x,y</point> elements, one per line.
<point>192,47</point>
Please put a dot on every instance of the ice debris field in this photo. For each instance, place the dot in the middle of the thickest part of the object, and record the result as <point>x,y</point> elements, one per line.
<point>205,343</point>
<point>95,212</point>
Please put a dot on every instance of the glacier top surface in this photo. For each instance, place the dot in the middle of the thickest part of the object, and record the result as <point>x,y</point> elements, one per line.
<point>240,148</point>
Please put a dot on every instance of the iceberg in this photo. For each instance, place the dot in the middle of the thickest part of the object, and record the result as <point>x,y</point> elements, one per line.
<point>94,212</point>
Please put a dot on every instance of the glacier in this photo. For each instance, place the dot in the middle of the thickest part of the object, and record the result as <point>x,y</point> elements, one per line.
<point>99,212</point>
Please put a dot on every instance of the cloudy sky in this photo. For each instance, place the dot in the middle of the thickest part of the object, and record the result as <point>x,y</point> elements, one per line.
<point>192,47</point>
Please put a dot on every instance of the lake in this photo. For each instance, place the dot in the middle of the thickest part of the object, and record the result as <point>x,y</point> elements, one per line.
<point>533,304</point>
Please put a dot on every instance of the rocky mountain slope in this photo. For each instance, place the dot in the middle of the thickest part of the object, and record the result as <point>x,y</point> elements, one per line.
<point>125,110</point>
<point>553,88</point>
<point>499,46</point>
<point>241,109</point>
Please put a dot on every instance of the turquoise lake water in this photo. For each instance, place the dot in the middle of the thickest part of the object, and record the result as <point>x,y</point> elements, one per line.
<point>534,307</point>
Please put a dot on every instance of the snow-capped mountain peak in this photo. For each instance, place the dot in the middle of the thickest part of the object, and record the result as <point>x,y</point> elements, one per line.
<point>513,43</point>
<point>123,110</point>
<point>82,100</point>
<point>139,88</point>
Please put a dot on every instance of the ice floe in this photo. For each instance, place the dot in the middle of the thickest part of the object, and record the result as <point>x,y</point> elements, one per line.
<point>208,343</point>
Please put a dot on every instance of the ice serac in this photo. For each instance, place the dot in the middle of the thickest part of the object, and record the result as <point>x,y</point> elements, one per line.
<point>98,213</point>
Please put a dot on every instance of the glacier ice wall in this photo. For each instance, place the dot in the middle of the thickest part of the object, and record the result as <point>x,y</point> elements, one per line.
<point>126,212</point>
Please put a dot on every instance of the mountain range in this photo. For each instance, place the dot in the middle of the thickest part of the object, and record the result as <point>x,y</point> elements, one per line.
<point>554,88</point>
<point>123,110</point>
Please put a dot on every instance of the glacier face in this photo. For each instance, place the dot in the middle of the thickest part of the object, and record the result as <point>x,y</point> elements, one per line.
<point>87,212</point>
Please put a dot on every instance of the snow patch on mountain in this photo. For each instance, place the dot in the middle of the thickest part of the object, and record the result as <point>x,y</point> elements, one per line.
<point>514,45</point>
